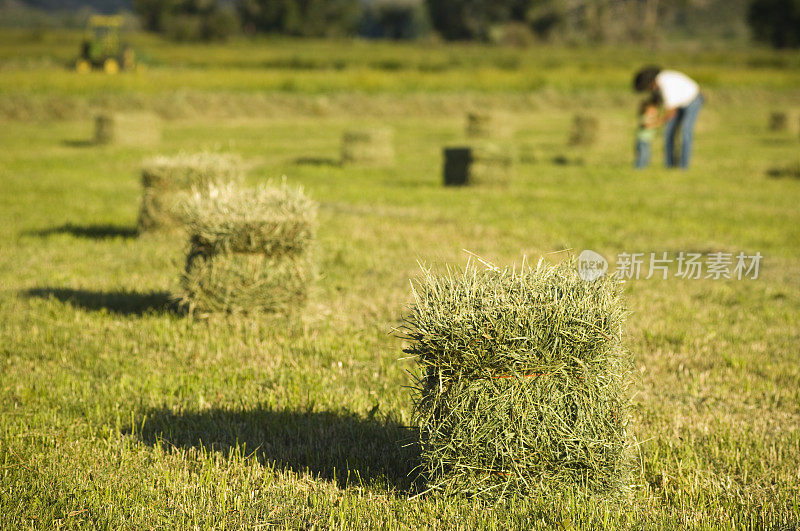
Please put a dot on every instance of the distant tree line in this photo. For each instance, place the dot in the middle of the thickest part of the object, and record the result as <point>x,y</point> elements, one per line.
<point>215,19</point>
<point>776,22</point>
<point>510,21</point>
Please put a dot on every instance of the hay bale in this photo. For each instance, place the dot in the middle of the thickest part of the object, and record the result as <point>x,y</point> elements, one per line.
<point>523,381</point>
<point>778,121</point>
<point>368,147</point>
<point>484,125</point>
<point>249,250</point>
<point>584,130</point>
<point>167,180</point>
<point>484,164</point>
<point>127,129</point>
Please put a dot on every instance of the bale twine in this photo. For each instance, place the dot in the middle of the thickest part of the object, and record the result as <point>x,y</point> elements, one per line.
<point>484,164</point>
<point>523,382</point>
<point>167,180</point>
<point>368,147</point>
<point>778,121</point>
<point>484,125</point>
<point>584,130</point>
<point>127,129</point>
<point>249,250</point>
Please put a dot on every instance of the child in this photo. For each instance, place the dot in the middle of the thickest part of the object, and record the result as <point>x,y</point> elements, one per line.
<point>648,122</point>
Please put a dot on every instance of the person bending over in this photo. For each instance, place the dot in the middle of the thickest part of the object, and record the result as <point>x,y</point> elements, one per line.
<point>681,100</point>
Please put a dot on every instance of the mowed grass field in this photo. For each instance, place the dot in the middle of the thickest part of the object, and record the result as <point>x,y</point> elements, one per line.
<point>117,410</point>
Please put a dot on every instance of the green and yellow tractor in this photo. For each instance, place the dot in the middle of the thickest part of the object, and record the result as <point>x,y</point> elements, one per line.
<point>102,49</point>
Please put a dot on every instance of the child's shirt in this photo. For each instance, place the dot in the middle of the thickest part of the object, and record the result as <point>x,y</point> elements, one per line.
<point>646,132</point>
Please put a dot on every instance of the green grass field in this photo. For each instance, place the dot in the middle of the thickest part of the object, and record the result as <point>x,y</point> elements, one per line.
<point>116,410</point>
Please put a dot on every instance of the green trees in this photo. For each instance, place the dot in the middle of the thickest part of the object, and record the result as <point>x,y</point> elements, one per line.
<point>188,20</point>
<point>471,19</point>
<point>307,18</point>
<point>776,22</point>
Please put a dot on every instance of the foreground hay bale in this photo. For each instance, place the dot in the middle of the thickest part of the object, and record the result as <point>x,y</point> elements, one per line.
<point>249,250</point>
<point>167,180</point>
<point>373,147</point>
<point>778,121</point>
<point>484,125</point>
<point>523,382</point>
<point>486,164</point>
<point>584,130</point>
<point>128,129</point>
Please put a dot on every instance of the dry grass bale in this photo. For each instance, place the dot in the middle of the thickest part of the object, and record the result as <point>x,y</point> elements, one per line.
<point>523,382</point>
<point>778,121</point>
<point>584,130</point>
<point>166,180</point>
<point>368,147</point>
<point>249,250</point>
<point>484,164</point>
<point>127,129</point>
<point>487,125</point>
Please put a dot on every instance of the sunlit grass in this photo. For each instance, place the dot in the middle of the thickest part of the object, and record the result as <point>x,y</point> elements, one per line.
<point>117,411</point>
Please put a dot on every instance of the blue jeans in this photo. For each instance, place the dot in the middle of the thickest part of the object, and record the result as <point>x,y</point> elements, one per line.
<point>642,154</point>
<point>684,120</point>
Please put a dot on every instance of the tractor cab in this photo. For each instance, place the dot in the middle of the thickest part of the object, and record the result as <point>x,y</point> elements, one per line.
<point>102,49</point>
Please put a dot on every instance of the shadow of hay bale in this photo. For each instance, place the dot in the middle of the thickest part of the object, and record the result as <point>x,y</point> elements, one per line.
<point>96,232</point>
<point>563,160</point>
<point>316,161</point>
<point>78,143</point>
<point>791,171</point>
<point>118,302</point>
<point>339,446</point>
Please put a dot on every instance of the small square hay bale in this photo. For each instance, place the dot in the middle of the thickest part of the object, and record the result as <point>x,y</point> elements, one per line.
<point>484,164</point>
<point>127,129</point>
<point>167,180</point>
<point>778,121</point>
<point>584,130</point>
<point>372,147</point>
<point>249,250</point>
<point>487,125</point>
<point>523,382</point>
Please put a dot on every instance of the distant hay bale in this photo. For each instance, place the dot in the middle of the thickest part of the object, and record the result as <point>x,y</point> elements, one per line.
<point>778,121</point>
<point>249,250</point>
<point>167,180</point>
<point>523,382</point>
<point>486,125</point>
<point>527,154</point>
<point>584,130</point>
<point>368,147</point>
<point>485,164</point>
<point>127,129</point>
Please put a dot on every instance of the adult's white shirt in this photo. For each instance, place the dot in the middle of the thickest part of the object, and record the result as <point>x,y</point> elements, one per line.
<point>677,89</point>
